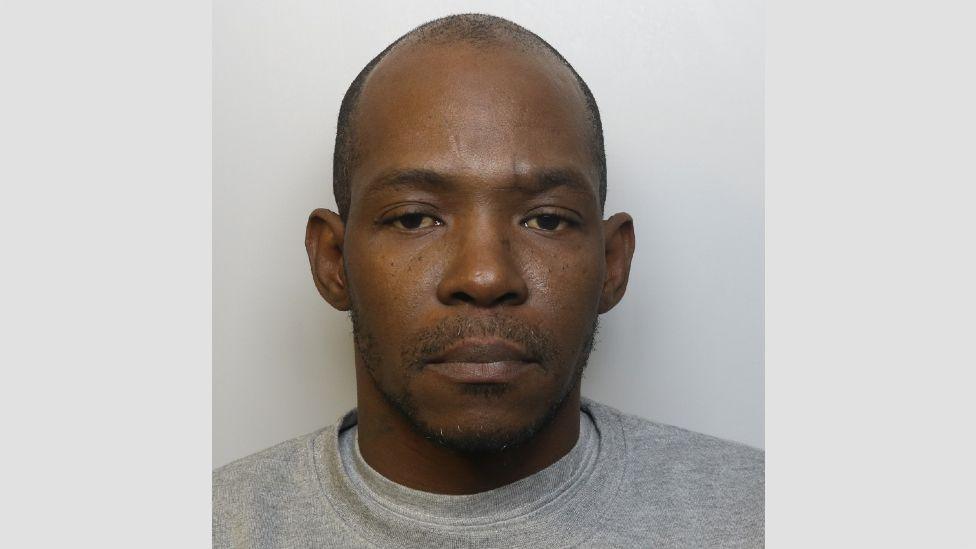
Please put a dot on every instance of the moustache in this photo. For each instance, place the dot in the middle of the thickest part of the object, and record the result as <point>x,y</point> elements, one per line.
<point>435,340</point>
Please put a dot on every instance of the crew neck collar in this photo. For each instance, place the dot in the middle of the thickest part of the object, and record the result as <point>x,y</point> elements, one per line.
<point>559,505</point>
<point>514,499</point>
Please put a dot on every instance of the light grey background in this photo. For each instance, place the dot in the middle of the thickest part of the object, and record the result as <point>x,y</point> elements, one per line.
<point>680,87</point>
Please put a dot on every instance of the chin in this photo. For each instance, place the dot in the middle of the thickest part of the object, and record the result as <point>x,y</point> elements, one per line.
<point>480,418</point>
<point>482,434</point>
<point>481,443</point>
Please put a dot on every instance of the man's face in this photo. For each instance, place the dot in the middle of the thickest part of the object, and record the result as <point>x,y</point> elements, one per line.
<point>474,247</point>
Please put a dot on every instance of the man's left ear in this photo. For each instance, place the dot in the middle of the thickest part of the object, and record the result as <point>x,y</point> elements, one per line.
<point>618,234</point>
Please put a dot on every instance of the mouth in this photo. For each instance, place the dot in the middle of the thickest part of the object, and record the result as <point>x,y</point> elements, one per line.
<point>482,361</point>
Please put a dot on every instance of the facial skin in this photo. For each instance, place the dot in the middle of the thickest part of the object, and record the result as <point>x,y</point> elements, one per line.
<point>474,260</point>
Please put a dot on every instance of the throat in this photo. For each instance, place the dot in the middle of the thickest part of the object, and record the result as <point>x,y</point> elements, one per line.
<point>393,447</point>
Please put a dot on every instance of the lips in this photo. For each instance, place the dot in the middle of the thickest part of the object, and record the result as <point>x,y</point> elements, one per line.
<point>483,351</point>
<point>482,361</point>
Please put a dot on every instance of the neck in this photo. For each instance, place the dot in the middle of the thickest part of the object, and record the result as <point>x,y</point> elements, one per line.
<point>392,447</point>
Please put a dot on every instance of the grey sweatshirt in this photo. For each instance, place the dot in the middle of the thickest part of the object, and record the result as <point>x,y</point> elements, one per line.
<point>628,482</point>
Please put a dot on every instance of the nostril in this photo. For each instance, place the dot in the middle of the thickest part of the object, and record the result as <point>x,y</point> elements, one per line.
<point>464,297</point>
<point>482,281</point>
<point>508,298</point>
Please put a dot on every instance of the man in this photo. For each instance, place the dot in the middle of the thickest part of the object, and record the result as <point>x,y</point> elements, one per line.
<point>471,251</point>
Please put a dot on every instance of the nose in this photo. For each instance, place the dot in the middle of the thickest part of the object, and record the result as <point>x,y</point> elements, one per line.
<point>483,270</point>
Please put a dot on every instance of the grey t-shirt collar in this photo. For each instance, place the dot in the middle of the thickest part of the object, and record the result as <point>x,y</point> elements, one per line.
<point>513,500</point>
<point>561,505</point>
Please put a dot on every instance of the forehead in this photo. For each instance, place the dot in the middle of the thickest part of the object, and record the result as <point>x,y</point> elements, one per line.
<point>461,110</point>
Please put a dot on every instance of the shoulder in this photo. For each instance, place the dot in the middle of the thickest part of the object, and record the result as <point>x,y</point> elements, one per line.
<point>698,488</point>
<point>255,496</point>
<point>275,465</point>
<point>692,448</point>
<point>650,441</point>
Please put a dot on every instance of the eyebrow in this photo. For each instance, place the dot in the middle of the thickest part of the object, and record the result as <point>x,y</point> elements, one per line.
<point>551,178</point>
<point>536,182</point>
<point>409,178</point>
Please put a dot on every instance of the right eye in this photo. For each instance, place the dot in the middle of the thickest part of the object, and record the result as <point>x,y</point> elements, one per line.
<point>414,221</point>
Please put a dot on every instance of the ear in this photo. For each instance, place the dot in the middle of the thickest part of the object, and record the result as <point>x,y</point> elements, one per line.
<point>323,241</point>
<point>618,235</point>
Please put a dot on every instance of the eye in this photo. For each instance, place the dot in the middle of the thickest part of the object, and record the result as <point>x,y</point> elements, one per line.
<point>546,222</point>
<point>414,221</point>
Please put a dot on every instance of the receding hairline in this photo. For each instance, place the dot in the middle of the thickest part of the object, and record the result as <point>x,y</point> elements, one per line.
<point>412,44</point>
<point>405,58</point>
<point>409,42</point>
<point>483,32</point>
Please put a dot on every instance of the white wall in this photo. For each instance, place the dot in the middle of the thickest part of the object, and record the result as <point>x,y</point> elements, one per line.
<point>680,87</point>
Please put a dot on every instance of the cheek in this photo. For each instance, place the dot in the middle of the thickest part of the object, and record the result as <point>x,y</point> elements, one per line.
<point>390,284</point>
<point>567,285</point>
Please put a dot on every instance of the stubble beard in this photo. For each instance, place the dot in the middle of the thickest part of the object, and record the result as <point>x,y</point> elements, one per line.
<point>480,440</point>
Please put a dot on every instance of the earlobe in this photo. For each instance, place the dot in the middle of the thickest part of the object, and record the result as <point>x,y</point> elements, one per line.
<point>619,243</point>
<point>324,237</point>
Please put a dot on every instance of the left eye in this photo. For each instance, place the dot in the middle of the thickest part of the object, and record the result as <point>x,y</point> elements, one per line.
<point>412,221</point>
<point>545,222</point>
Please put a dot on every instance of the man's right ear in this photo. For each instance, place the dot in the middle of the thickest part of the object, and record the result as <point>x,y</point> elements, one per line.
<point>323,242</point>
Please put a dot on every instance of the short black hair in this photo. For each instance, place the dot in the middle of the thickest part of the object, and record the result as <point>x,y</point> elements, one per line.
<point>472,28</point>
